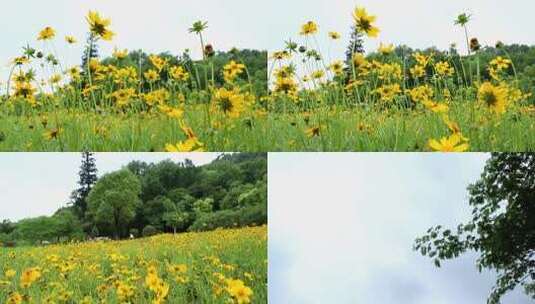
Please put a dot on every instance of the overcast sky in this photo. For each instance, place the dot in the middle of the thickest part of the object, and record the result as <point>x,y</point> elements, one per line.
<point>154,26</point>
<point>417,23</point>
<point>161,25</point>
<point>35,184</point>
<point>342,228</point>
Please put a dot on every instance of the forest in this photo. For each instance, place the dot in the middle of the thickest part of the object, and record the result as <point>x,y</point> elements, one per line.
<point>144,199</point>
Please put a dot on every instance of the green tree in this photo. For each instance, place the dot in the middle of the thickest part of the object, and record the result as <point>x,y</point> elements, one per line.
<point>87,178</point>
<point>502,228</point>
<point>113,201</point>
<point>174,217</point>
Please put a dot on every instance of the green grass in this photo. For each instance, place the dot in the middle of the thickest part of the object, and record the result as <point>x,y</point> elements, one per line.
<point>369,128</point>
<point>140,132</point>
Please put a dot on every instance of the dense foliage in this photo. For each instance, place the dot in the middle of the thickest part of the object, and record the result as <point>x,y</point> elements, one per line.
<point>502,228</point>
<point>144,199</point>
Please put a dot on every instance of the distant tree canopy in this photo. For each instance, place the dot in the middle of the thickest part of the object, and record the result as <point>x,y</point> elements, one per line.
<point>149,198</point>
<point>502,228</point>
<point>254,60</point>
<point>522,56</point>
<point>113,201</point>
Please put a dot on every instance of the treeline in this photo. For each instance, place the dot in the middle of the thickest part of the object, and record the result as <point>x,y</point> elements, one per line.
<point>144,199</point>
<point>522,56</point>
<point>254,60</point>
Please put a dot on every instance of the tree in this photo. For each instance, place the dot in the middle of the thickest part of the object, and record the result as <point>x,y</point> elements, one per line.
<point>502,228</point>
<point>153,211</point>
<point>174,217</point>
<point>87,178</point>
<point>355,46</point>
<point>113,201</point>
<point>90,51</point>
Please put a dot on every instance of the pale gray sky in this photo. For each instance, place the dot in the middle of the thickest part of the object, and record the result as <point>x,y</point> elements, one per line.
<point>161,25</point>
<point>417,23</point>
<point>154,26</point>
<point>342,226</point>
<point>35,184</point>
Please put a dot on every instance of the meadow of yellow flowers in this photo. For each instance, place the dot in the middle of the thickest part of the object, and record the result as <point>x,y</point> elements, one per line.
<point>116,105</point>
<point>222,266</point>
<point>395,99</point>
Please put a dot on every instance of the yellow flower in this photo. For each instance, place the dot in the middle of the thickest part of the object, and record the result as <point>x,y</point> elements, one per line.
<point>500,63</point>
<point>280,55</point>
<point>55,79</point>
<point>46,34</point>
<point>443,68</point>
<point>435,106</point>
<point>359,60</point>
<point>99,26</point>
<point>421,93</point>
<point>21,60</point>
<point>230,102</point>
<point>334,35</point>
<point>124,292</point>
<point>180,268</point>
<point>388,92</point>
<point>29,276</point>
<point>365,22</point>
<point>449,144</point>
<point>120,54</point>
<point>418,71</point>
<point>385,49</point>
<point>70,39</point>
<point>123,96</point>
<point>151,75</point>
<point>421,59</point>
<point>309,28</point>
<point>74,73</point>
<point>494,97</point>
<point>317,74</point>
<point>312,132</point>
<point>14,298</point>
<point>232,70</point>
<point>159,96</point>
<point>337,67</point>
<point>10,273</point>
<point>158,62</point>
<point>179,73</point>
<point>24,90</point>
<point>172,112</point>
<point>241,293</point>
<point>52,134</point>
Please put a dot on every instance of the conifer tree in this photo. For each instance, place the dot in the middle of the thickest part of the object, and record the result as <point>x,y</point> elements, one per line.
<point>87,178</point>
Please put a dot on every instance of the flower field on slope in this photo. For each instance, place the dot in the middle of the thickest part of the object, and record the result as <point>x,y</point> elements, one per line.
<point>396,99</point>
<point>222,266</point>
<point>132,101</point>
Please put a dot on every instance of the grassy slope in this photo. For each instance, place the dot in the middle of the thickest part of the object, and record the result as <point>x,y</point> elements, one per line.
<point>98,266</point>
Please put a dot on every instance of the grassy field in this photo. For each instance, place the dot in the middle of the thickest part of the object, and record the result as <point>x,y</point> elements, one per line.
<point>396,98</point>
<point>72,130</point>
<point>367,128</point>
<point>131,100</point>
<point>224,266</point>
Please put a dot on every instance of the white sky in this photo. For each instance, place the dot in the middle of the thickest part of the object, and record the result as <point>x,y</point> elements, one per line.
<point>161,25</point>
<point>342,228</point>
<point>417,23</point>
<point>35,184</point>
<point>155,26</point>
